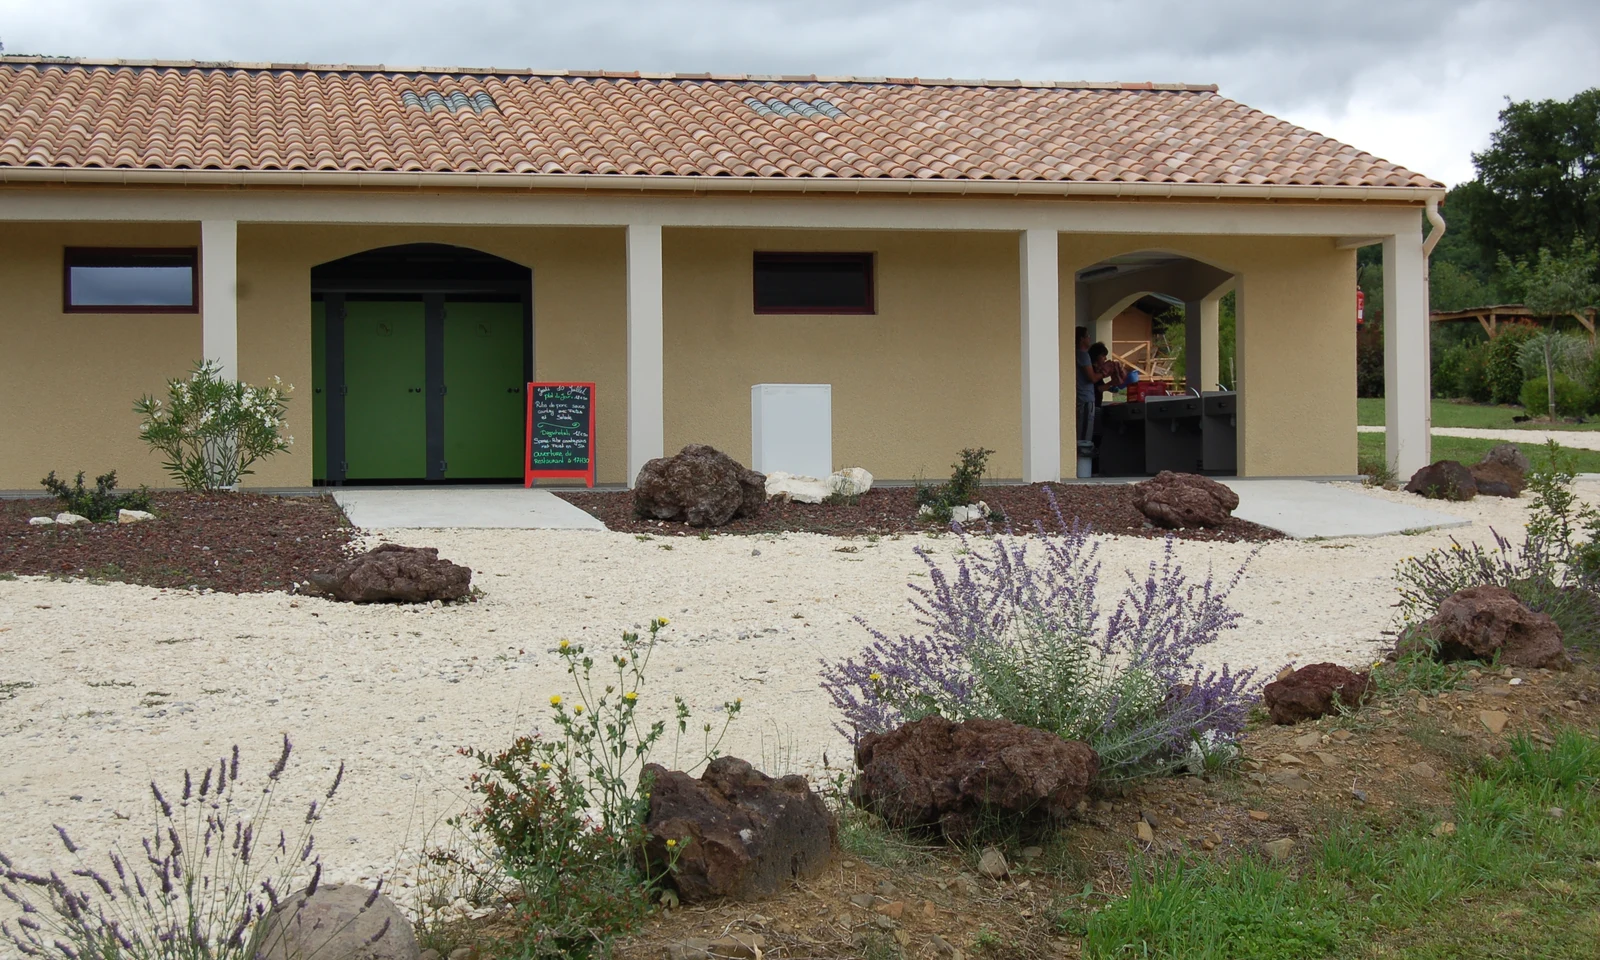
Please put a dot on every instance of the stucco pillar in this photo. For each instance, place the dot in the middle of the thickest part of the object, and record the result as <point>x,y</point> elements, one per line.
<point>219,294</point>
<point>646,391</point>
<point>1405,354</point>
<point>1202,361</point>
<point>1041,357</point>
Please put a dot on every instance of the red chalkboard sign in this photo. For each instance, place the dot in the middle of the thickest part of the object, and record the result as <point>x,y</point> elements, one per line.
<point>560,439</point>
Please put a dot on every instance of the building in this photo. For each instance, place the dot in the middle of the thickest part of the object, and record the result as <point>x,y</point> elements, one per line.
<point>409,247</point>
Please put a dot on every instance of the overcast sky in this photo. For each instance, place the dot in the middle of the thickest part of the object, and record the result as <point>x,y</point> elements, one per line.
<point>1418,82</point>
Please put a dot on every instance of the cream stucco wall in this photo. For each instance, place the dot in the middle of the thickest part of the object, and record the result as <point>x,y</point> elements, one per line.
<point>68,380</point>
<point>1296,351</point>
<point>936,368</point>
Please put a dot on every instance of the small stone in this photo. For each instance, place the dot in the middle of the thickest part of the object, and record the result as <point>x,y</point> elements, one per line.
<point>1341,735</point>
<point>1031,853</point>
<point>929,911</point>
<point>1474,674</point>
<point>883,922</point>
<point>1422,706</point>
<point>1208,844</point>
<point>992,864</point>
<point>669,899</point>
<point>1289,760</point>
<point>1279,848</point>
<point>70,519</point>
<point>1494,720</point>
<point>1146,834</point>
<point>1422,770</point>
<point>1260,816</point>
<point>1445,829</point>
<point>1179,822</point>
<point>41,521</point>
<point>134,516</point>
<point>1309,740</point>
<point>887,889</point>
<point>1327,759</point>
<point>864,900</point>
<point>461,953</point>
<point>1149,818</point>
<point>1556,813</point>
<point>428,955</point>
<point>964,885</point>
<point>944,949</point>
<point>894,910</point>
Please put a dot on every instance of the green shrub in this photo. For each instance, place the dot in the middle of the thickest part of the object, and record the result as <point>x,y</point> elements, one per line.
<point>1369,360</point>
<point>565,815</point>
<point>100,504</point>
<point>1503,369</point>
<point>966,477</point>
<point>1462,371</point>
<point>1571,399</point>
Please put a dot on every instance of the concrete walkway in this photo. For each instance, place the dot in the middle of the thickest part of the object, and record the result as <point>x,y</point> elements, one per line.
<point>1578,439</point>
<point>1304,509</point>
<point>512,508</point>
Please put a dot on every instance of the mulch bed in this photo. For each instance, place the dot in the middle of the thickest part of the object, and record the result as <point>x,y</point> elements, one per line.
<point>1106,508</point>
<point>231,542</point>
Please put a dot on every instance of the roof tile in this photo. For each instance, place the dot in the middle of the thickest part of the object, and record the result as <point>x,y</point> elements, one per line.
<point>182,115</point>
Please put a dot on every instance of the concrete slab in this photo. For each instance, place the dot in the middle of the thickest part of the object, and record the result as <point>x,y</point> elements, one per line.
<point>1304,509</point>
<point>511,508</point>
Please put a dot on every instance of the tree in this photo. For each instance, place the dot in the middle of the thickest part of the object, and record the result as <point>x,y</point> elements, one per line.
<point>1538,184</point>
<point>1555,285</point>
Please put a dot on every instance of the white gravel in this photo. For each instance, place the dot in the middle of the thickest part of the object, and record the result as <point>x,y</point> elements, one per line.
<point>394,690</point>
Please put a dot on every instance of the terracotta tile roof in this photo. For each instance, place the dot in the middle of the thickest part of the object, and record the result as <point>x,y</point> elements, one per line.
<point>252,117</point>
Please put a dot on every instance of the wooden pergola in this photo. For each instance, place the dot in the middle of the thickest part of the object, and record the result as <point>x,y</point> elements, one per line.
<point>1490,317</point>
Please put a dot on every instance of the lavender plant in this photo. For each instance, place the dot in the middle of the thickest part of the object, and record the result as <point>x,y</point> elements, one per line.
<point>199,885</point>
<point>1017,635</point>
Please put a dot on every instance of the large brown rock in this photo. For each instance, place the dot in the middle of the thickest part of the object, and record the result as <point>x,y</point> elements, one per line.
<point>1184,500</point>
<point>1494,479</point>
<point>1508,455</point>
<point>340,920</point>
<point>1314,691</point>
<point>391,573</point>
<point>1443,480</point>
<point>701,486</point>
<point>738,833</point>
<point>1481,622</point>
<point>935,773</point>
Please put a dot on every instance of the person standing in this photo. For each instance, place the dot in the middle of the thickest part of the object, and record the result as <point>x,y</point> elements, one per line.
<point>1086,384</point>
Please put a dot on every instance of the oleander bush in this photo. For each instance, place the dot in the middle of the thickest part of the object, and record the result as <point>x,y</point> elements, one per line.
<point>211,429</point>
<point>100,504</point>
<point>1012,630</point>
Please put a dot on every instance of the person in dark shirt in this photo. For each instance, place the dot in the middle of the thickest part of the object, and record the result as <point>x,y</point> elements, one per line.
<point>1086,380</point>
<point>1109,375</point>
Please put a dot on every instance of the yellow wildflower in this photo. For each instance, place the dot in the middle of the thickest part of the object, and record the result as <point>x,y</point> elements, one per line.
<point>578,708</point>
<point>555,701</point>
<point>544,766</point>
<point>875,677</point>
<point>565,644</point>
<point>630,696</point>
<point>663,621</point>
<point>672,843</point>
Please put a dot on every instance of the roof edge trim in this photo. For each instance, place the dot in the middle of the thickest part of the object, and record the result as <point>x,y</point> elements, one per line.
<point>722,185</point>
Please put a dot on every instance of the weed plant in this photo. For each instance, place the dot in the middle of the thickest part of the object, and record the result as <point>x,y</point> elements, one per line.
<point>564,815</point>
<point>1555,570</point>
<point>1016,635</point>
<point>966,478</point>
<point>100,504</point>
<point>204,877</point>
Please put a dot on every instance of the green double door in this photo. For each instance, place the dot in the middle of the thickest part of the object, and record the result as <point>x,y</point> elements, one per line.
<point>432,389</point>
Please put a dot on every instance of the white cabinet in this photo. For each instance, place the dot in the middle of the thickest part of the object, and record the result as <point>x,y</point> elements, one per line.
<point>791,428</point>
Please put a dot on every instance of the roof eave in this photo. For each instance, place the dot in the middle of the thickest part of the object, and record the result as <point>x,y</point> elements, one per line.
<point>642,183</point>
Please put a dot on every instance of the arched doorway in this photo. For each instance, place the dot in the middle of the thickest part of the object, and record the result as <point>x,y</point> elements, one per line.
<point>419,358</point>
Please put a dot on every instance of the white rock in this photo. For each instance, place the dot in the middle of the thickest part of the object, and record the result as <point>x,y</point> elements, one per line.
<point>797,488</point>
<point>851,481</point>
<point>70,519</point>
<point>134,516</point>
<point>970,513</point>
<point>41,521</point>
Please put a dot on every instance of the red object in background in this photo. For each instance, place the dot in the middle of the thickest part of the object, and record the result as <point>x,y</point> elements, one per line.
<point>1147,388</point>
<point>1361,307</point>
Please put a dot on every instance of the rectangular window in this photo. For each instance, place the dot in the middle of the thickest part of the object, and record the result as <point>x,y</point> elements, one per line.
<point>814,283</point>
<point>131,280</point>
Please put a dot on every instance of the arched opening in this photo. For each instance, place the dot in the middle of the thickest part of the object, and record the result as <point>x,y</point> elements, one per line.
<point>420,354</point>
<point>1181,411</point>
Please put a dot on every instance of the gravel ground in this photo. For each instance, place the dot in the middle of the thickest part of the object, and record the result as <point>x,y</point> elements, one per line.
<point>106,686</point>
<point>1580,439</point>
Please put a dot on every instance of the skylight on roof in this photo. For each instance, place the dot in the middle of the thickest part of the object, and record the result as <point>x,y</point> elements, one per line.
<point>453,102</point>
<point>794,107</point>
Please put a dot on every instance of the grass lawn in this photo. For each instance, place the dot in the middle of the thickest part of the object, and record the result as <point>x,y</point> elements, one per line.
<point>1470,450</point>
<point>1478,416</point>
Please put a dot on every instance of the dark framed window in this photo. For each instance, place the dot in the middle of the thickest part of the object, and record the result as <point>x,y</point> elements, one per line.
<point>131,280</point>
<point>814,283</point>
